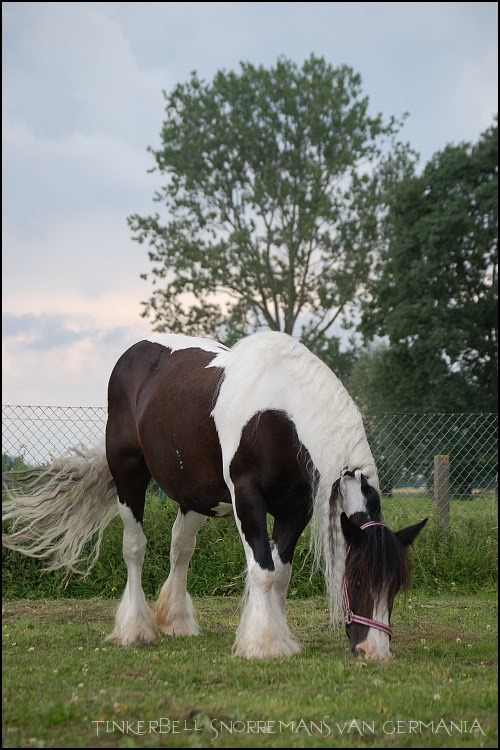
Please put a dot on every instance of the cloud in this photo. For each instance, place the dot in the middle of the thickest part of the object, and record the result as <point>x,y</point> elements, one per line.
<point>71,376</point>
<point>48,360</point>
<point>477,84</point>
<point>70,67</point>
<point>58,178</point>
<point>42,332</point>
<point>71,261</point>
<point>82,99</point>
<point>78,113</point>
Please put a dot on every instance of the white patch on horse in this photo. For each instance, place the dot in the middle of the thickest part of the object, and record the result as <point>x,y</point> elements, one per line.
<point>180,459</point>
<point>353,500</point>
<point>376,645</point>
<point>263,632</point>
<point>223,509</point>
<point>282,574</point>
<point>272,370</point>
<point>134,619</point>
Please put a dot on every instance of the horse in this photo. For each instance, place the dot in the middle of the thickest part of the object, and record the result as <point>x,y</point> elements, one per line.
<point>264,427</point>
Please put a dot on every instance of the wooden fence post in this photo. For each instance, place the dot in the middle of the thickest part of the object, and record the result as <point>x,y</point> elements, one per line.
<point>442,489</point>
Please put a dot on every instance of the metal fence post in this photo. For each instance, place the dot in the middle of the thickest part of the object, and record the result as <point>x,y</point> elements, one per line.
<point>442,489</point>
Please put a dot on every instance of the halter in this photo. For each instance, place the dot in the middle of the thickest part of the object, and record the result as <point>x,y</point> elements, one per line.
<point>349,615</point>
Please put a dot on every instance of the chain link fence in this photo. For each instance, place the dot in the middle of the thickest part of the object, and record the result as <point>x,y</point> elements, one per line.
<point>404,447</point>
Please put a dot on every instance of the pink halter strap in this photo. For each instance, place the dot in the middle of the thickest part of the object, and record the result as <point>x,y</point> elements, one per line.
<point>349,615</point>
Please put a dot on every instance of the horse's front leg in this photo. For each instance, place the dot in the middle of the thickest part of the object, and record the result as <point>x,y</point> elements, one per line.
<point>174,609</point>
<point>263,632</point>
<point>286,533</point>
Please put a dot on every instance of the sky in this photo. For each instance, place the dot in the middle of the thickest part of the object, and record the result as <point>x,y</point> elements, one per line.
<point>82,100</point>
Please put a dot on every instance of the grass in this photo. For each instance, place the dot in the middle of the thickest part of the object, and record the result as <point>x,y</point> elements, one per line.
<point>443,561</point>
<point>60,677</point>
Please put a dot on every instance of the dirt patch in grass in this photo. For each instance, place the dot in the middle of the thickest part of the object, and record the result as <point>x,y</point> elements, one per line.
<point>430,633</point>
<point>225,611</point>
<point>61,611</point>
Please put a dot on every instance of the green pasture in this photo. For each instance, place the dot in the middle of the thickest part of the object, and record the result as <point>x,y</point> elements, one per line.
<point>62,682</point>
<point>403,505</point>
<point>64,686</point>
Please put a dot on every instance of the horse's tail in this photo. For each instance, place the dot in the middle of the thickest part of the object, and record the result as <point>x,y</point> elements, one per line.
<point>60,507</point>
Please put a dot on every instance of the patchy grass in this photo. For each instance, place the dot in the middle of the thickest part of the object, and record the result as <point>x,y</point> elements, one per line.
<point>60,677</point>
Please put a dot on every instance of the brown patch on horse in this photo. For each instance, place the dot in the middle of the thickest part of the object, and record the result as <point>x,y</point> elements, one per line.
<point>160,406</point>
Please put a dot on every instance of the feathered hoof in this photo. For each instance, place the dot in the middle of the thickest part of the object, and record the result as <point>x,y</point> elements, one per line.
<point>179,628</point>
<point>271,648</point>
<point>176,618</point>
<point>135,633</point>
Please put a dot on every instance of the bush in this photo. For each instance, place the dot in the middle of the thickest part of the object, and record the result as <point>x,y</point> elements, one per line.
<point>442,560</point>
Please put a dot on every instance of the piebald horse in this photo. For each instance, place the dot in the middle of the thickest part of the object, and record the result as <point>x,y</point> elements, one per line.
<point>263,427</point>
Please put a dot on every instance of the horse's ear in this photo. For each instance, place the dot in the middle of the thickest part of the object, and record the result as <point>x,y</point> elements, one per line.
<point>407,536</point>
<point>352,533</point>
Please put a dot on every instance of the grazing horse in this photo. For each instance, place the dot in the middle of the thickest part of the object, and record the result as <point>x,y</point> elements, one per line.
<point>263,427</point>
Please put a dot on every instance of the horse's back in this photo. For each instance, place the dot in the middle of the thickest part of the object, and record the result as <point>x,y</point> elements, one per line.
<point>161,400</point>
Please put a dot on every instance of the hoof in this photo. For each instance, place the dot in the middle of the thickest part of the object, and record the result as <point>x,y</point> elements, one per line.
<point>266,648</point>
<point>178,628</point>
<point>133,636</point>
<point>141,630</point>
<point>176,618</point>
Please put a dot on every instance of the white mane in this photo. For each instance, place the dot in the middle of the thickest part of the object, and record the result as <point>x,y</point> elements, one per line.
<point>272,370</point>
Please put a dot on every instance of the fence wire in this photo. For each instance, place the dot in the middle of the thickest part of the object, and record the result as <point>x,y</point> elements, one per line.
<point>403,445</point>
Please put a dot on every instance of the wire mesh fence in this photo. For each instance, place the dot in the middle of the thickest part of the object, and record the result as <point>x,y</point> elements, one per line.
<point>404,447</point>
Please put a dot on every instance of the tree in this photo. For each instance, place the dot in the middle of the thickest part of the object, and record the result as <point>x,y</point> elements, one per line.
<point>13,463</point>
<point>270,211</point>
<point>403,444</point>
<point>436,292</point>
<point>8,462</point>
<point>385,378</point>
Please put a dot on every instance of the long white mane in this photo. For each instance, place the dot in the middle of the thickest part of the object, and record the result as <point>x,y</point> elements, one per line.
<point>272,370</point>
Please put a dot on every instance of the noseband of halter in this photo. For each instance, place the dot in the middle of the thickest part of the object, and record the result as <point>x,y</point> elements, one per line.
<point>350,617</point>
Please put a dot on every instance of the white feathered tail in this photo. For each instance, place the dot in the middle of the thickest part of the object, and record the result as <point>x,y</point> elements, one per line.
<point>55,510</point>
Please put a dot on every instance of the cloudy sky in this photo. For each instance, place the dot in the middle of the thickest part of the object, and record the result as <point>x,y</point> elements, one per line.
<point>82,101</point>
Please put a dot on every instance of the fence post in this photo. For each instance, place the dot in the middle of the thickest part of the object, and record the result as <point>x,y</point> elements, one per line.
<point>442,489</point>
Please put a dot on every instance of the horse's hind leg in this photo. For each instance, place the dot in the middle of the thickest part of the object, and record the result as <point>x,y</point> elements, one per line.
<point>134,619</point>
<point>174,608</point>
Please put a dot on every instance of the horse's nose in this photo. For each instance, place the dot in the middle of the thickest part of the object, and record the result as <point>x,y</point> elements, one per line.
<point>366,650</point>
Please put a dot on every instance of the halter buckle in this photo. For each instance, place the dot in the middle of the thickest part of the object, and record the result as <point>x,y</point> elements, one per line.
<point>348,617</point>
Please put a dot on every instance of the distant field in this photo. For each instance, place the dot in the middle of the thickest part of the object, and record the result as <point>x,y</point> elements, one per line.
<point>61,678</point>
<point>411,504</point>
<point>425,492</point>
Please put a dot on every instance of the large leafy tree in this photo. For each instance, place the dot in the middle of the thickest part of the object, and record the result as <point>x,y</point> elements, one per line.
<point>270,211</point>
<point>436,293</point>
<point>384,380</point>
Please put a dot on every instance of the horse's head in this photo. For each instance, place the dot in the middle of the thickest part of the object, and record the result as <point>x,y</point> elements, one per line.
<point>376,569</point>
<point>357,495</point>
